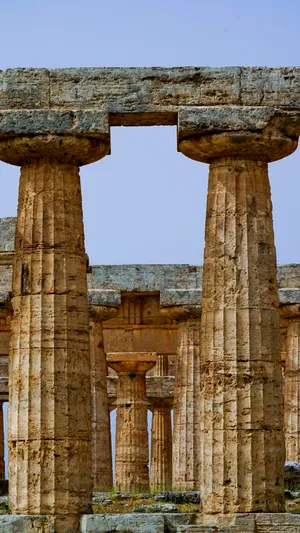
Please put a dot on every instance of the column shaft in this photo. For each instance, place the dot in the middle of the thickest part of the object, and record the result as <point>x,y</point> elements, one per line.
<point>241,388</point>
<point>292,391</point>
<point>49,367</point>
<point>132,455</point>
<point>161,436</point>
<point>2,462</point>
<point>161,449</point>
<point>101,434</point>
<point>186,436</point>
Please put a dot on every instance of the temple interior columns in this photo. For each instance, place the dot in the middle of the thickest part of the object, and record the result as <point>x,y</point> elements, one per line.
<point>186,431</point>
<point>2,461</point>
<point>291,315</point>
<point>132,452</point>
<point>102,471</point>
<point>242,438</point>
<point>161,436</point>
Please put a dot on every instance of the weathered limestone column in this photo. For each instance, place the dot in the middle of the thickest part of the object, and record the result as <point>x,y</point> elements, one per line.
<point>242,439</point>
<point>132,455</point>
<point>49,385</point>
<point>292,382</point>
<point>2,461</point>
<point>161,436</point>
<point>186,431</point>
<point>101,434</point>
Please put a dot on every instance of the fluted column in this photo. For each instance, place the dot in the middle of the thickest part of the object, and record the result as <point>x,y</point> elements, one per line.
<point>49,364</point>
<point>132,455</point>
<point>186,431</point>
<point>292,382</point>
<point>2,461</point>
<point>161,436</point>
<point>101,434</point>
<point>242,440</point>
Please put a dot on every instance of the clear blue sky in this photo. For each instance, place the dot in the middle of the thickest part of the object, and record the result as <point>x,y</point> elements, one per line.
<point>146,203</point>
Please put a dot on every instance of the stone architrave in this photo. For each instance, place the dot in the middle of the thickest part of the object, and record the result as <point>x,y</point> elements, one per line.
<point>49,364</point>
<point>102,471</point>
<point>2,461</point>
<point>291,314</point>
<point>161,436</point>
<point>132,454</point>
<point>242,439</point>
<point>186,431</point>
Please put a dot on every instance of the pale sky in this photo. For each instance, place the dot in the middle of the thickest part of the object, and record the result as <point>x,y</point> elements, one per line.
<point>145,203</point>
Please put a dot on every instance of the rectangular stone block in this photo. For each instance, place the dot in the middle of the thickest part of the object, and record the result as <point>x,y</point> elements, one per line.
<point>123,523</point>
<point>26,524</point>
<point>277,523</point>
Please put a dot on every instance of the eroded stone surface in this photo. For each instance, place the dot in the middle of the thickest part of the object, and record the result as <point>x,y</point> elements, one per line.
<point>242,446</point>
<point>132,455</point>
<point>100,417</point>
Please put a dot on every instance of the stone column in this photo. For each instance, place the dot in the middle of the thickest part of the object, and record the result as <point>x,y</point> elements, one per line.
<point>186,431</point>
<point>161,436</point>
<point>292,382</point>
<point>49,365</point>
<point>101,435</point>
<point>2,462</point>
<point>132,455</point>
<point>242,439</point>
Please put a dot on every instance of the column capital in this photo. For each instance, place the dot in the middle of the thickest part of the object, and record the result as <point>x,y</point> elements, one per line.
<point>100,313</point>
<point>182,313</point>
<point>207,134</point>
<point>67,149</point>
<point>131,362</point>
<point>289,311</point>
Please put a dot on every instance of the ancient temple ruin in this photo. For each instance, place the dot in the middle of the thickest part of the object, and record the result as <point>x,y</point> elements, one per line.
<point>212,344</point>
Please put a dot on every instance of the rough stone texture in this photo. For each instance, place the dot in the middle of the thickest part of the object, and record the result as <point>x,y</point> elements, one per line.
<point>100,417</point>
<point>242,440</point>
<point>2,463</point>
<point>123,523</point>
<point>253,523</point>
<point>135,523</point>
<point>291,474</point>
<point>292,390</point>
<point>156,508</point>
<point>49,411</point>
<point>186,433</point>
<point>161,436</point>
<point>27,524</point>
<point>135,96</point>
<point>132,456</point>
<point>179,497</point>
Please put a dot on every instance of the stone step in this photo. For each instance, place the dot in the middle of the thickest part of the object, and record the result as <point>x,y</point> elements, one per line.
<point>134,523</point>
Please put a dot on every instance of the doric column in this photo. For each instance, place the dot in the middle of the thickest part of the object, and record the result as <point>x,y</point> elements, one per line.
<point>242,440</point>
<point>291,314</point>
<point>161,436</point>
<point>132,455</point>
<point>186,436</point>
<point>101,434</point>
<point>2,461</point>
<point>49,367</point>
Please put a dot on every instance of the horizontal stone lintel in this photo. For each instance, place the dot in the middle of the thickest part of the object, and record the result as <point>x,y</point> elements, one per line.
<point>155,90</point>
<point>190,121</point>
<point>289,296</point>
<point>209,119</point>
